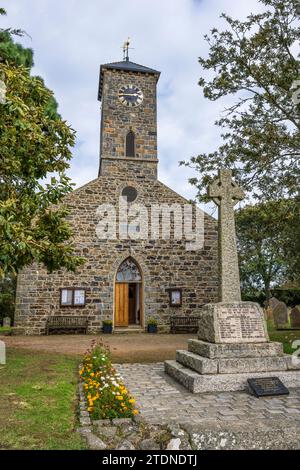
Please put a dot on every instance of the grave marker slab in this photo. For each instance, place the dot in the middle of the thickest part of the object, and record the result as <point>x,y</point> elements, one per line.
<point>267,386</point>
<point>280,315</point>
<point>295,317</point>
<point>6,322</point>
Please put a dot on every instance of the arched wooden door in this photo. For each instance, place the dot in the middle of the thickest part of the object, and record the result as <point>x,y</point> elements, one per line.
<point>128,294</point>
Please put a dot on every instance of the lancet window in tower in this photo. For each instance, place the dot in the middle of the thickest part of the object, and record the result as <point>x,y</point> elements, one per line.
<point>130,145</point>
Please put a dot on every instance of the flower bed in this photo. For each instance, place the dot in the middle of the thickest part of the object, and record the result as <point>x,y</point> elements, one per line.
<point>106,394</point>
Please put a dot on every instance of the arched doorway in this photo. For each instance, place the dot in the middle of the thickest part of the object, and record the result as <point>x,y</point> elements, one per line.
<point>128,294</point>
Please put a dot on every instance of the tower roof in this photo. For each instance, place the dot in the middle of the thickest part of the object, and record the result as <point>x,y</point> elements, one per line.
<point>127,66</point>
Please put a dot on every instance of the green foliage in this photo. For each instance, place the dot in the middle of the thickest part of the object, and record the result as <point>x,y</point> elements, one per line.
<point>291,296</point>
<point>285,337</point>
<point>14,53</point>
<point>107,396</point>
<point>34,143</point>
<point>7,297</point>
<point>268,244</point>
<point>5,331</point>
<point>250,294</point>
<point>255,61</point>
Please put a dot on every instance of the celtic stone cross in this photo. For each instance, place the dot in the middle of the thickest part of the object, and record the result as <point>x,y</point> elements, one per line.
<point>226,193</point>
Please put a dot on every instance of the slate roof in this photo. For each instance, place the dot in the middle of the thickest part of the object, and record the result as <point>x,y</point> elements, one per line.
<point>126,65</point>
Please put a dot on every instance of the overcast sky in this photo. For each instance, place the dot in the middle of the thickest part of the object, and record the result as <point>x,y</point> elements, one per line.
<point>71,38</point>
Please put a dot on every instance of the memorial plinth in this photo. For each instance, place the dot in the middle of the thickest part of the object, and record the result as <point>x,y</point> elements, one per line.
<point>232,346</point>
<point>237,322</point>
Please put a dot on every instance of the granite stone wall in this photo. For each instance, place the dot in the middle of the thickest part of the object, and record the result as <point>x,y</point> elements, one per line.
<point>117,120</point>
<point>164,263</point>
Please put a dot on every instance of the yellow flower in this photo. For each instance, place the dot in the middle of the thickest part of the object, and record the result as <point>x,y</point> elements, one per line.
<point>119,397</point>
<point>132,400</point>
<point>135,412</point>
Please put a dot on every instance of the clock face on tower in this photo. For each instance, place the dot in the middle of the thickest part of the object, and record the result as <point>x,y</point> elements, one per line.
<point>130,95</point>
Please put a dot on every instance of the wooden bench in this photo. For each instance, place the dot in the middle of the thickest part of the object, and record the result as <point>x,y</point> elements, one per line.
<point>184,324</point>
<point>67,323</point>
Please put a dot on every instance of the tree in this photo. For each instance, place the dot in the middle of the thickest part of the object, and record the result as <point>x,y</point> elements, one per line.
<point>7,297</point>
<point>17,55</point>
<point>34,144</point>
<point>268,242</point>
<point>256,62</point>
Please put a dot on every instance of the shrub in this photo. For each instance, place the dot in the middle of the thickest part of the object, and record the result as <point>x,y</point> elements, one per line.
<point>152,321</point>
<point>291,297</point>
<point>107,322</point>
<point>106,394</point>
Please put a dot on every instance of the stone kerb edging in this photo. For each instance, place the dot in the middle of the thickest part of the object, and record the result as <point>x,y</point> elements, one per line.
<point>127,433</point>
<point>87,425</point>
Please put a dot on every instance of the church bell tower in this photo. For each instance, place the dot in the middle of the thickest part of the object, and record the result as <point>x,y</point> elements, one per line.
<point>128,140</point>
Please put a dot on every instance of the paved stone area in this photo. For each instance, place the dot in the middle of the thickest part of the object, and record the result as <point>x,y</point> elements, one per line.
<point>161,400</point>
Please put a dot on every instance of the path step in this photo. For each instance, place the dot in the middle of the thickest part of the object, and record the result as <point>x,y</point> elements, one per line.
<point>133,330</point>
<point>200,364</point>
<point>197,383</point>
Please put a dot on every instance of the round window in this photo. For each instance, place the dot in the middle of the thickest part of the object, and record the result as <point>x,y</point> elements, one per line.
<point>129,193</point>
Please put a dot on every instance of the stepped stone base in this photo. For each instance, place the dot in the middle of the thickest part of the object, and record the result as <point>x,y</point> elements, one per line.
<point>232,346</point>
<point>200,383</point>
<point>233,350</point>
<point>202,365</point>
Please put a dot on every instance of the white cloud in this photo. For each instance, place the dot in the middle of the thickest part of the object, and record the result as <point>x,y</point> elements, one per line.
<point>71,39</point>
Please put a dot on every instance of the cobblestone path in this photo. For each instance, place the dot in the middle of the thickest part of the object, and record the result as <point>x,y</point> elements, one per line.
<point>161,400</point>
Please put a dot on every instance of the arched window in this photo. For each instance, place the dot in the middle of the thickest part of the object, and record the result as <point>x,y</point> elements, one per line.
<point>129,271</point>
<point>130,144</point>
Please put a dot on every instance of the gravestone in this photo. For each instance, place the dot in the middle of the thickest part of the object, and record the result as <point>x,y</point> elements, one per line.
<point>233,344</point>
<point>2,353</point>
<point>273,302</point>
<point>269,313</point>
<point>6,322</point>
<point>280,315</point>
<point>295,317</point>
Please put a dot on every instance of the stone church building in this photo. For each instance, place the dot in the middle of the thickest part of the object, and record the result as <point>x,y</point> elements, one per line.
<point>131,273</point>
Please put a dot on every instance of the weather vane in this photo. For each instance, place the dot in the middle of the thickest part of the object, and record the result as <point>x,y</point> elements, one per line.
<point>126,49</point>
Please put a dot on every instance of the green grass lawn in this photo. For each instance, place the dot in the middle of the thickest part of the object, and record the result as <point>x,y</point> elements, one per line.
<point>285,337</point>
<point>38,403</point>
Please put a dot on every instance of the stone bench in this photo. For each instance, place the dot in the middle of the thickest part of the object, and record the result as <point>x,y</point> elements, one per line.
<point>184,324</point>
<point>67,323</point>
